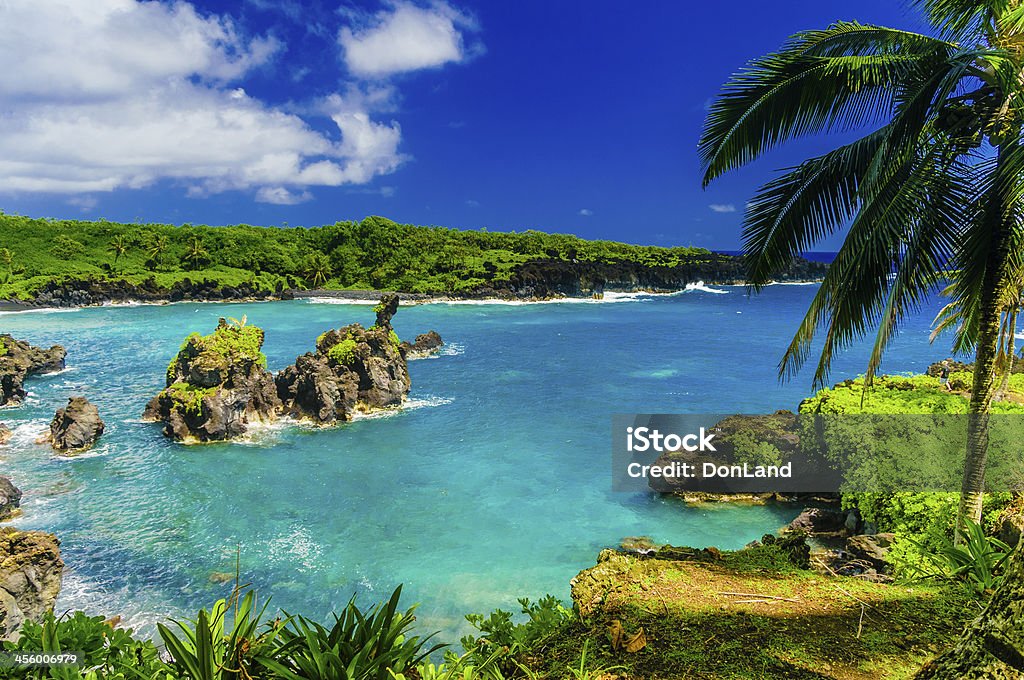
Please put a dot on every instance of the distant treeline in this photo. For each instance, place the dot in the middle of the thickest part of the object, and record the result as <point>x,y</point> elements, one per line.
<point>375,253</point>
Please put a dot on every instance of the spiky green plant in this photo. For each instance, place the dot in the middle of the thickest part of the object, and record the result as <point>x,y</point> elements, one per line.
<point>936,183</point>
<point>359,646</point>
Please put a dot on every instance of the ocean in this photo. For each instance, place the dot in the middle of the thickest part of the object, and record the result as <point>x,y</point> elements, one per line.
<point>493,483</point>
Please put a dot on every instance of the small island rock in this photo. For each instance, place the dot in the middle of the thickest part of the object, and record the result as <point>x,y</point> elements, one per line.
<point>10,499</point>
<point>30,574</point>
<point>18,360</point>
<point>75,427</point>
<point>217,385</point>
<point>5,434</point>
<point>353,369</point>
<point>426,344</point>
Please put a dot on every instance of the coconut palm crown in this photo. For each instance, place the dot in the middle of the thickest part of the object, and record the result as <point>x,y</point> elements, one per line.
<point>933,189</point>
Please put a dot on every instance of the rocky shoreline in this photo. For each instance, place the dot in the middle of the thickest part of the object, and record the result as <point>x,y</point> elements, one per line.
<point>536,280</point>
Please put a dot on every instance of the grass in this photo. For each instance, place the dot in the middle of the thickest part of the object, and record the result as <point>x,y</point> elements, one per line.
<point>803,625</point>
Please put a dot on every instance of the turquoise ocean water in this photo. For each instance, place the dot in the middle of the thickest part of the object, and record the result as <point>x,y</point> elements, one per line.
<point>494,483</point>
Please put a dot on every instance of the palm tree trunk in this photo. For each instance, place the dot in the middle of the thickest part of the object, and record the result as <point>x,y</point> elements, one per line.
<point>983,389</point>
<point>1010,351</point>
<point>993,646</point>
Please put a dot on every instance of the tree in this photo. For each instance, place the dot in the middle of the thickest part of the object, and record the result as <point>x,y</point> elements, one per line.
<point>158,245</point>
<point>935,184</point>
<point>195,252</point>
<point>118,246</point>
<point>6,258</point>
<point>318,269</point>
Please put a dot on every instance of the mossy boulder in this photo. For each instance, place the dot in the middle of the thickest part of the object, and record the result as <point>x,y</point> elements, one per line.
<point>30,575</point>
<point>18,360</point>
<point>217,385</point>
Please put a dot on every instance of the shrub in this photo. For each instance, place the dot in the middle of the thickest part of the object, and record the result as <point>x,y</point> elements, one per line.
<point>109,652</point>
<point>372,646</point>
<point>343,353</point>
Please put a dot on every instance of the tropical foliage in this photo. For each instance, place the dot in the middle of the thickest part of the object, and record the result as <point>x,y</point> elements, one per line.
<point>373,253</point>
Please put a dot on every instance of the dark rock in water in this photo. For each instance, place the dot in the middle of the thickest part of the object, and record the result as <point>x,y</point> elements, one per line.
<point>10,499</point>
<point>18,360</point>
<point>353,369</point>
<point>30,574</point>
<point>819,522</point>
<point>426,344</point>
<point>871,549</point>
<point>76,426</point>
<point>217,385</point>
<point>5,434</point>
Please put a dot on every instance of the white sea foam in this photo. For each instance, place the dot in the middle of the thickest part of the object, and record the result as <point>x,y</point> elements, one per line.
<point>341,301</point>
<point>407,405</point>
<point>699,286</point>
<point>449,349</point>
<point>27,432</point>
<point>43,310</point>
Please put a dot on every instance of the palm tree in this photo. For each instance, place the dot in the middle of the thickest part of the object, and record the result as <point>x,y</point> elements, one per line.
<point>118,246</point>
<point>6,257</point>
<point>158,245</point>
<point>195,252</point>
<point>935,183</point>
<point>318,268</point>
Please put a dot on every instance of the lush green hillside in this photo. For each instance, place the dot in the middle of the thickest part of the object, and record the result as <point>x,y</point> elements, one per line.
<point>373,253</point>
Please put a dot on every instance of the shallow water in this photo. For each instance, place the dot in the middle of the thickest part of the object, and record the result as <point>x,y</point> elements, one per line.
<point>493,484</point>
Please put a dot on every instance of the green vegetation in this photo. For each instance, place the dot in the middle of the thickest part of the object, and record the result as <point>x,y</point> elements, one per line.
<point>683,613</point>
<point>190,396</point>
<point>344,352</point>
<point>3,348</point>
<point>373,253</point>
<point>924,522</point>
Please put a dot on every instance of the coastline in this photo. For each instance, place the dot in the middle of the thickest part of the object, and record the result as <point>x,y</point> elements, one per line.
<point>371,296</point>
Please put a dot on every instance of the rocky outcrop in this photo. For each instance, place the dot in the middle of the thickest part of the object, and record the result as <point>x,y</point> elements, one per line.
<point>873,549</point>
<point>18,360</point>
<point>217,385</point>
<point>5,434</point>
<point>84,292</point>
<point>10,499</point>
<point>30,574</point>
<point>819,522</point>
<point>75,427</point>
<point>426,344</point>
<point>353,369</point>
<point>546,278</point>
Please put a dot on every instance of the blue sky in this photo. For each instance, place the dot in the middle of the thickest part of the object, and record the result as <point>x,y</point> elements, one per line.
<point>569,116</point>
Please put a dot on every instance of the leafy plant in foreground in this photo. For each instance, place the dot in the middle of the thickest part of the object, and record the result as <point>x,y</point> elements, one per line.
<point>110,653</point>
<point>208,651</point>
<point>358,646</point>
<point>978,560</point>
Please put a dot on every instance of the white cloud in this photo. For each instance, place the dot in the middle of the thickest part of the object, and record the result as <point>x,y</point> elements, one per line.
<point>472,203</point>
<point>282,196</point>
<point>115,94</point>
<point>586,212</point>
<point>407,37</point>
<point>722,207</point>
<point>84,203</point>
